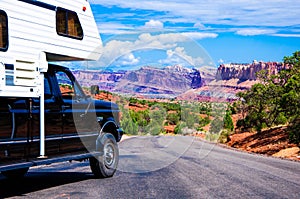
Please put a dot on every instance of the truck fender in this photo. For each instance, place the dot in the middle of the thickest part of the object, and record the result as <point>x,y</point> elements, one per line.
<point>108,123</point>
<point>110,126</point>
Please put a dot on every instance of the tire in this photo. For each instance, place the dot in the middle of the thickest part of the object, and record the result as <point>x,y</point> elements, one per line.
<point>15,173</point>
<point>105,166</point>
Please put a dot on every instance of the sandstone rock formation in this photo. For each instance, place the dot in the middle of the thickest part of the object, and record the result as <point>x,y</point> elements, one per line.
<point>245,72</point>
<point>230,79</point>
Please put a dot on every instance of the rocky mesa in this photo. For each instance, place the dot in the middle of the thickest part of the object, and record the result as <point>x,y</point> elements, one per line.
<point>242,73</point>
<point>230,79</point>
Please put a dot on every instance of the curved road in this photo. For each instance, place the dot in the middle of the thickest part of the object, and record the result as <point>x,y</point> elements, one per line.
<point>165,167</point>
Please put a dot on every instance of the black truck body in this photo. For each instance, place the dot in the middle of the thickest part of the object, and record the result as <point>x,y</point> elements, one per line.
<point>77,127</point>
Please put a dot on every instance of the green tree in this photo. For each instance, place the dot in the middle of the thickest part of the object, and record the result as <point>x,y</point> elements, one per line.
<point>261,104</point>
<point>179,127</point>
<point>189,117</point>
<point>275,100</point>
<point>216,125</point>
<point>133,100</point>
<point>173,118</point>
<point>191,120</point>
<point>128,124</point>
<point>157,117</point>
<point>204,121</point>
<point>290,101</point>
<point>228,123</point>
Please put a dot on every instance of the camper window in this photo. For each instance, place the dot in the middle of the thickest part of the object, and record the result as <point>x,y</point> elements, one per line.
<point>3,31</point>
<point>68,24</point>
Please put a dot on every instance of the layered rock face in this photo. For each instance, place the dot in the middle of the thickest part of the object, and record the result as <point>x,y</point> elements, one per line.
<point>245,72</point>
<point>168,80</point>
<point>171,80</point>
<point>230,79</point>
<point>106,80</point>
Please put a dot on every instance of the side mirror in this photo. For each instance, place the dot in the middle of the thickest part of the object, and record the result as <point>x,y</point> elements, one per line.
<point>94,89</point>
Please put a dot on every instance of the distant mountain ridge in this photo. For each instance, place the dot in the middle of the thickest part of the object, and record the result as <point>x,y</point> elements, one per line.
<point>171,80</point>
<point>176,81</point>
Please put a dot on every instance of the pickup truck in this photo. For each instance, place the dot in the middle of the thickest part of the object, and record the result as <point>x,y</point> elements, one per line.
<point>77,127</point>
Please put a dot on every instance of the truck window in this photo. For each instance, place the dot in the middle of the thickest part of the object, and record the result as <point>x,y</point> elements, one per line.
<point>68,88</point>
<point>3,31</point>
<point>68,24</point>
<point>47,89</point>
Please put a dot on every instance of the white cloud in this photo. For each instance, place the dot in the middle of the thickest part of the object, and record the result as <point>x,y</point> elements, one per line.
<point>200,35</point>
<point>181,57</point>
<point>199,25</point>
<point>177,56</point>
<point>119,50</point>
<point>286,35</point>
<point>174,60</point>
<point>255,31</point>
<point>115,28</point>
<point>116,48</point>
<point>129,59</point>
<point>170,53</point>
<point>154,24</point>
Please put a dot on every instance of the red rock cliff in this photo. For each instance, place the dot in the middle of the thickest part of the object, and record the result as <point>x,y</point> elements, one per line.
<point>245,72</point>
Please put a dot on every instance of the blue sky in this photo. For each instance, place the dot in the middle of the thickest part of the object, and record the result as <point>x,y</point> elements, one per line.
<point>195,32</point>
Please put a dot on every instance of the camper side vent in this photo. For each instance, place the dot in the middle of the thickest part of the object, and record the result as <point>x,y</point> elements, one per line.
<point>25,73</point>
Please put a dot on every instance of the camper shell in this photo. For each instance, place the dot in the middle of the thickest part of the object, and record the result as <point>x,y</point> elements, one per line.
<point>33,34</point>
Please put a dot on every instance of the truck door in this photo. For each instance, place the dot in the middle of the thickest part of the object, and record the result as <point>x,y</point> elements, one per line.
<point>79,129</point>
<point>14,122</point>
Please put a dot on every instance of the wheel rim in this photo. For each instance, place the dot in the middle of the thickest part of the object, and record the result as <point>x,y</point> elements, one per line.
<point>109,155</point>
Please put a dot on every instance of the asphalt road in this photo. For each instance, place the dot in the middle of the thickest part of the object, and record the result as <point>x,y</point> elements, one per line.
<point>165,167</point>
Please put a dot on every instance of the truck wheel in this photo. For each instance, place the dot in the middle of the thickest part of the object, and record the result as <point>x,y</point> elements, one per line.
<point>15,173</point>
<point>105,165</point>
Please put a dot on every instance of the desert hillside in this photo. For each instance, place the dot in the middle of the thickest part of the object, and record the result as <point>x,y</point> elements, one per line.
<point>273,142</point>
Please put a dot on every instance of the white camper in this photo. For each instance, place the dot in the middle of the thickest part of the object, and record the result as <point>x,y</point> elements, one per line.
<point>33,33</point>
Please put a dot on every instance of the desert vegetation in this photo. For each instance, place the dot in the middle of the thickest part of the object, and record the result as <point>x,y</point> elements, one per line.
<point>154,117</point>
<point>274,101</point>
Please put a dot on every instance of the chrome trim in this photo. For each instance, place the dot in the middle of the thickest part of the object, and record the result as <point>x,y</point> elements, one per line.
<point>24,141</point>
